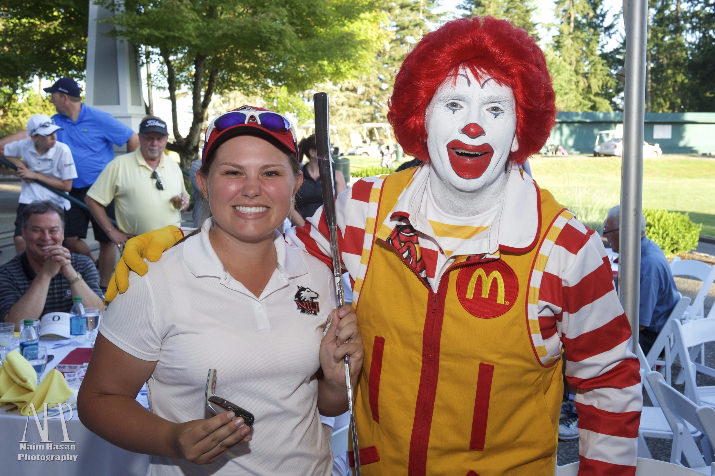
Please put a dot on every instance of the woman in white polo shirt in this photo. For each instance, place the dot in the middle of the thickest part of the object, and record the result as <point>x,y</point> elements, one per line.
<point>236,298</point>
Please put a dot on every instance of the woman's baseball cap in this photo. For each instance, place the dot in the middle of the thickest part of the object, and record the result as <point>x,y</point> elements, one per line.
<point>254,121</point>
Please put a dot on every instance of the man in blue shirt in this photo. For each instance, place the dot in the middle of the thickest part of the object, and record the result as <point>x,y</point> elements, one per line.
<point>658,294</point>
<point>91,135</point>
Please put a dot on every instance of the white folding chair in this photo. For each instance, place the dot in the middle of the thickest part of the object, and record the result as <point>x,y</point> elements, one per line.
<point>705,273</point>
<point>663,343</point>
<point>707,419</point>
<point>644,467</point>
<point>687,335</point>
<point>701,271</point>
<point>681,413</point>
<point>653,423</point>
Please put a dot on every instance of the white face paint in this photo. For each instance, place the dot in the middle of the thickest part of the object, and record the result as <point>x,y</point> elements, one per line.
<point>471,128</point>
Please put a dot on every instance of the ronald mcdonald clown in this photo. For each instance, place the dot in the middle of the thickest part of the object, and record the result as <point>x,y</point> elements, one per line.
<point>470,281</point>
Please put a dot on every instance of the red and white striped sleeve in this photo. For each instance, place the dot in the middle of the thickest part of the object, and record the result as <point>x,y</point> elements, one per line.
<point>356,209</point>
<point>577,289</point>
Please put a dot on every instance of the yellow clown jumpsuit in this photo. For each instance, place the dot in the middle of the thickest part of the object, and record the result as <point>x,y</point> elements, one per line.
<point>451,383</point>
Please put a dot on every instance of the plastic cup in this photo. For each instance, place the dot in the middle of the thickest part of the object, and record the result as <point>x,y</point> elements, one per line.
<point>40,362</point>
<point>7,334</point>
<point>93,315</point>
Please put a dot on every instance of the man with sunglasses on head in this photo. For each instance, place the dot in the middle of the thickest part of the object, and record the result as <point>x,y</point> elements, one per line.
<point>146,185</point>
<point>91,135</point>
<point>40,159</point>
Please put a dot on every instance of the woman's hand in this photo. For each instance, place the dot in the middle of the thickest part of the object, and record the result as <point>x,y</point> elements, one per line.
<point>204,441</point>
<point>342,338</point>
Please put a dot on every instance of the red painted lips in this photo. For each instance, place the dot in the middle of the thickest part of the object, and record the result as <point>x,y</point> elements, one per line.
<point>469,161</point>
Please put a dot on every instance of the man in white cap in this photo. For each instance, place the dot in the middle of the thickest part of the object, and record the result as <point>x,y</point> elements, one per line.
<point>40,158</point>
<point>146,185</point>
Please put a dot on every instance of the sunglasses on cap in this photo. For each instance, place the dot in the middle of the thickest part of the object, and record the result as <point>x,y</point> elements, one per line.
<point>43,125</point>
<point>268,120</point>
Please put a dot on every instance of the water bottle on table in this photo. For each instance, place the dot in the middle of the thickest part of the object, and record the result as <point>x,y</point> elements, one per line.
<point>78,318</point>
<point>29,340</point>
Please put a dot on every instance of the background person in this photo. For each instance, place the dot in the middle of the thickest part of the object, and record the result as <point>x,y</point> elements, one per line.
<point>237,298</point>
<point>46,276</point>
<point>201,209</point>
<point>40,158</point>
<point>91,135</point>
<point>310,195</point>
<point>146,185</point>
<point>658,292</point>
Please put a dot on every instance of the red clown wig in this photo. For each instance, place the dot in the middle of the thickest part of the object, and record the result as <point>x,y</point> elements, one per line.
<point>484,46</point>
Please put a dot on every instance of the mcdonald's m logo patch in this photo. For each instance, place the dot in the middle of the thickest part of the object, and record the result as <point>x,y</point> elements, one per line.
<point>487,290</point>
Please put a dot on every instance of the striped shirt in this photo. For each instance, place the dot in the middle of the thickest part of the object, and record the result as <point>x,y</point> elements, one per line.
<point>572,302</point>
<point>16,277</point>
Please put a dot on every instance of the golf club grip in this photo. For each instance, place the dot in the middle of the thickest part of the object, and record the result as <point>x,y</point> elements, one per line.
<point>325,164</point>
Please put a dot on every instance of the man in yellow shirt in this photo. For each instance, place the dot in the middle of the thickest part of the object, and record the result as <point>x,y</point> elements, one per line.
<point>146,185</point>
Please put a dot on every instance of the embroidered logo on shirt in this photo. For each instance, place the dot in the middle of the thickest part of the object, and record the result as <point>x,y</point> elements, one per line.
<point>307,301</point>
<point>487,290</point>
<point>404,239</point>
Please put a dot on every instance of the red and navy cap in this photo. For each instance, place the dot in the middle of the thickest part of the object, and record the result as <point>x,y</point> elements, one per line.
<point>254,121</point>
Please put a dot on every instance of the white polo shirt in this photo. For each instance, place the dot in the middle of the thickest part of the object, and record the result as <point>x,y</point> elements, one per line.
<point>56,162</point>
<point>189,315</point>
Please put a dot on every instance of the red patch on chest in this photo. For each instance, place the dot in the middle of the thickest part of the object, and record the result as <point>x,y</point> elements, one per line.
<point>487,290</point>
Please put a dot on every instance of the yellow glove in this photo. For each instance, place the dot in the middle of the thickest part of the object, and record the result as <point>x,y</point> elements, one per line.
<point>150,245</point>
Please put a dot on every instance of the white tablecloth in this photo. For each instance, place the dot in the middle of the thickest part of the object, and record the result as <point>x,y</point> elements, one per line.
<point>24,453</point>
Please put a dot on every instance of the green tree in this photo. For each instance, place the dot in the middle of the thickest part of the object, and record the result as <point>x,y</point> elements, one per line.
<point>579,72</point>
<point>612,49</point>
<point>40,38</point>
<point>17,113</point>
<point>365,97</point>
<point>701,66</point>
<point>519,12</point>
<point>667,62</point>
<point>210,47</point>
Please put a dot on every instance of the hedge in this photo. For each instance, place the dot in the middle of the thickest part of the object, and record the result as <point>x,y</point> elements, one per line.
<point>674,232</point>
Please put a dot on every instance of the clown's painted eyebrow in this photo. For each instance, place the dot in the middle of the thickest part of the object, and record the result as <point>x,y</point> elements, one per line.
<point>469,81</point>
<point>464,75</point>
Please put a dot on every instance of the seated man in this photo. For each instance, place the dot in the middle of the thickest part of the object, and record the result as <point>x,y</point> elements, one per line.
<point>146,185</point>
<point>658,294</point>
<point>46,276</point>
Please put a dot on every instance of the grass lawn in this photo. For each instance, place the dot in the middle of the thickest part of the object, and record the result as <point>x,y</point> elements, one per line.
<point>589,186</point>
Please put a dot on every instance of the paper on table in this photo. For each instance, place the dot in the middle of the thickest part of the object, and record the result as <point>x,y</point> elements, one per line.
<point>74,365</point>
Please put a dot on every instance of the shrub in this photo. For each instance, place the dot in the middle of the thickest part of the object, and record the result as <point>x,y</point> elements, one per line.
<point>674,232</point>
<point>371,171</point>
